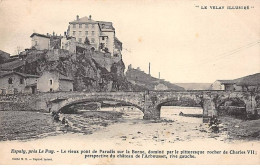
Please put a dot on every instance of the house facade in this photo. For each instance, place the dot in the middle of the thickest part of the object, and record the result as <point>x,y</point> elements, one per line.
<point>51,81</point>
<point>101,35</point>
<point>246,83</point>
<point>223,85</point>
<point>15,82</point>
<point>40,41</point>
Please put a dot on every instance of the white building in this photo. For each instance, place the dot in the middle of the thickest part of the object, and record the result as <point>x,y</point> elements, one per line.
<point>40,41</point>
<point>100,34</point>
<point>223,85</point>
<point>51,81</point>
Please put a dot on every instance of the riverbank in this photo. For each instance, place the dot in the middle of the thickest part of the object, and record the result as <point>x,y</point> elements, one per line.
<point>88,133</point>
<point>26,125</point>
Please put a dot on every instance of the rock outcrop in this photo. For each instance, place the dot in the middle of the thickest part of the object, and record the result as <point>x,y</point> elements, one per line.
<point>88,73</point>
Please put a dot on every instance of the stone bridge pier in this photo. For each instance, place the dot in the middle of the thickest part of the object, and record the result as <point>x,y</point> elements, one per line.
<point>154,101</point>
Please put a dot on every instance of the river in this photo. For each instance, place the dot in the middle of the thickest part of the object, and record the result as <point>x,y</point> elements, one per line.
<point>167,113</point>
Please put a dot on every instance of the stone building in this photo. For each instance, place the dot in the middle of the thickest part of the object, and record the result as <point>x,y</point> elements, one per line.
<point>100,34</point>
<point>68,43</point>
<point>40,41</point>
<point>223,85</point>
<point>246,83</point>
<point>51,81</point>
<point>160,86</point>
<point>15,82</point>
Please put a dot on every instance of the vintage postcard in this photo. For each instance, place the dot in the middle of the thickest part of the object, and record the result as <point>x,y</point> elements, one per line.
<point>148,82</point>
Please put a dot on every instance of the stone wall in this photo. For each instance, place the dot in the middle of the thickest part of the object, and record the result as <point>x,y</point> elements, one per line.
<point>148,102</point>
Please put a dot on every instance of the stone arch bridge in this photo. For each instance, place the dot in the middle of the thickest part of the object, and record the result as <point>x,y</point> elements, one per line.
<point>148,102</point>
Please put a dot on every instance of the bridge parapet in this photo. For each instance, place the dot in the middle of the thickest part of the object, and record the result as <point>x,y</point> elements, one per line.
<point>149,102</point>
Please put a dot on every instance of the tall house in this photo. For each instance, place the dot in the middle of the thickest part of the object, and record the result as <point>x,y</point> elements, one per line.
<point>100,34</point>
<point>40,41</point>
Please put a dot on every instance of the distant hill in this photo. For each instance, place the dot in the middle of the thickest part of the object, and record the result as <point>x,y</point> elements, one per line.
<point>144,81</point>
<point>194,86</point>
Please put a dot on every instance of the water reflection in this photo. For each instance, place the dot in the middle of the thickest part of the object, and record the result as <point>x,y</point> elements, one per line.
<point>167,112</point>
<point>129,112</point>
<point>172,113</point>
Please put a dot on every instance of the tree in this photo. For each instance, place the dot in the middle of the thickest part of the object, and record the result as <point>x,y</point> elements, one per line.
<point>87,41</point>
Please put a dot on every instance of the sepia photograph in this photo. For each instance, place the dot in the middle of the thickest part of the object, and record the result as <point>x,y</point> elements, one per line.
<point>150,82</point>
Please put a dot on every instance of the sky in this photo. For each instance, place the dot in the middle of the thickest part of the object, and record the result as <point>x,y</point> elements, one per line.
<point>181,41</point>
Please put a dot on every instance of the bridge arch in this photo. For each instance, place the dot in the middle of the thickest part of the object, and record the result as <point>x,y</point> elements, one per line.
<point>71,101</point>
<point>186,101</point>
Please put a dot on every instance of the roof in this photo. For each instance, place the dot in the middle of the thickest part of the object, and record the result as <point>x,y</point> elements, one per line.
<point>12,65</point>
<point>62,77</point>
<point>83,20</point>
<point>106,26</point>
<point>40,35</point>
<point>250,80</point>
<point>6,73</point>
<point>227,81</point>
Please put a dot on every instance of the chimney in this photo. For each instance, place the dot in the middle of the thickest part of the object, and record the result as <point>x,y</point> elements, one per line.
<point>77,17</point>
<point>89,17</point>
<point>53,33</point>
<point>65,34</point>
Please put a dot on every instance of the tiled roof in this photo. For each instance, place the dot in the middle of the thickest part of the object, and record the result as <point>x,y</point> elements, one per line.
<point>6,73</point>
<point>106,26</point>
<point>250,80</point>
<point>41,35</point>
<point>12,65</point>
<point>62,77</point>
<point>227,81</point>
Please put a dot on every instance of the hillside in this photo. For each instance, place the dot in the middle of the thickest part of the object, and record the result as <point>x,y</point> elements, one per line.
<point>145,81</point>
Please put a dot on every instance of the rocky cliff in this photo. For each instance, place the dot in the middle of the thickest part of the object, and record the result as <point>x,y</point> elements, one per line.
<point>86,69</point>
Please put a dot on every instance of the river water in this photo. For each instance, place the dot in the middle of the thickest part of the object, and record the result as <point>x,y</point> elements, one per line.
<point>167,112</point>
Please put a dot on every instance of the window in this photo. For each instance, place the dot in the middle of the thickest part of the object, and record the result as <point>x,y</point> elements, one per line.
<point>10,81</point>
<point>93,33</point>
<point>93,25</point>
<point>80,33</point>
<point>21,81</point>
<point>103,38</point>
<point>51,82</point>
<point>86,25</point>
<point>51,90</point>
<point>80,40</point>
<point>74,25</point>
<point>80,25</point>
<point>86,32</point>
<point>92,40</point>
<point>74,33</point>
